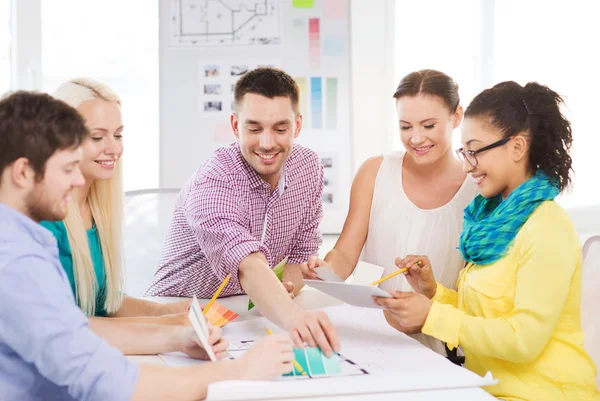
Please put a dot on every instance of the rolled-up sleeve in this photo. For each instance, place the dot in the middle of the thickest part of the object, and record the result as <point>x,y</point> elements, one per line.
<point>215,213</point>
<point>40,322</point>
<point>308,239</point>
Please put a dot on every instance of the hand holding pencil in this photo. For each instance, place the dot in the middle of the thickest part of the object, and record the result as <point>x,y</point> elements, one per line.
<point>419,274</point>
<point>294,362</point>
<point>268,359</point>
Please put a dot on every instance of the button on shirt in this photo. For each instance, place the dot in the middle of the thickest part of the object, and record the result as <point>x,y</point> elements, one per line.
<point>226,212</point>
<point>47,350</point>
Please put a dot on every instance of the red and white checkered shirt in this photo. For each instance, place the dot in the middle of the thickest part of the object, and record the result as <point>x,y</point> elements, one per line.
<point>226,211</point>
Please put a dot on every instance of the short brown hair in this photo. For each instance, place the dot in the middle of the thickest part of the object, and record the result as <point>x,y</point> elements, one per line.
<point>268,82</point>
<point>430,82</point>
<point>35,126</point>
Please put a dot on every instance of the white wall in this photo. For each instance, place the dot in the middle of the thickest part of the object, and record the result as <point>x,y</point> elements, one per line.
<point>26,29</point>
<point>372,71</point>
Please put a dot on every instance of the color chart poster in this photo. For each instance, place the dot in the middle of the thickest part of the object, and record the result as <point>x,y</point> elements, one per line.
<point>205,46</point>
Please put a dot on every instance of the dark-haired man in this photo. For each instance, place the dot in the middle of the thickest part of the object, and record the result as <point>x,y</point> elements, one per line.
<point>47,349</point>
<point>248,207</point>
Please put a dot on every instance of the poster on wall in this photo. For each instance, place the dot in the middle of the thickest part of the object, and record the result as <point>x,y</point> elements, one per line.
<point>207,45</point>
<point>200,23</point>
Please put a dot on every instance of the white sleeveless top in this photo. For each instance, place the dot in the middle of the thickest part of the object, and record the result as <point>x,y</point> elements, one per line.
<point>398,228</point>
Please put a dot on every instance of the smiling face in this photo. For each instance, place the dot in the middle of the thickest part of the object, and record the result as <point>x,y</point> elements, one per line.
<point>266,129</point>
<point>104,147</point>
<point>426,126</point>
<point>498,170</point>
<point>49,198</point>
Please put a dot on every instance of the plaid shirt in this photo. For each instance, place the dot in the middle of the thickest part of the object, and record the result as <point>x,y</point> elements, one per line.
<point>226,212</point>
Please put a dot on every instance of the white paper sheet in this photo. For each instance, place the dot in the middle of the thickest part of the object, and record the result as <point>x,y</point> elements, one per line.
<point>201,327</point>
<point>352,294</point>
<point>326,273</point>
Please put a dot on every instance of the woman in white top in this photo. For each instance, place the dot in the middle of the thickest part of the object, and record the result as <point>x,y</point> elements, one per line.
<point>412,201</point>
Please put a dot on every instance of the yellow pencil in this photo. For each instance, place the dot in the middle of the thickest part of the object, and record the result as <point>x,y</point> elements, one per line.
<point>214,297</point>
<point>394,274</point>
<point>296,364</point>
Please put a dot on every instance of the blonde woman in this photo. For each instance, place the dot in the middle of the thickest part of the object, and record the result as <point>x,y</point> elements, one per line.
<point>89,239</point>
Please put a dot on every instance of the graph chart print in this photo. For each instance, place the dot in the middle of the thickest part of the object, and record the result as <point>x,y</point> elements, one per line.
<point>225,22</point>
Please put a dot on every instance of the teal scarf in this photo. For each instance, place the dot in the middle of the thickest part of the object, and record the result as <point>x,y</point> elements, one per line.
<point>491,224</point>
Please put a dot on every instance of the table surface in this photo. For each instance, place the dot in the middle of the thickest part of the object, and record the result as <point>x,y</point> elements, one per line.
<point>310,299</point>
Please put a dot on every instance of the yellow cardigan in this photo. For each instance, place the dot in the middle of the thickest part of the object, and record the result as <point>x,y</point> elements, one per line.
<point>519,317</point>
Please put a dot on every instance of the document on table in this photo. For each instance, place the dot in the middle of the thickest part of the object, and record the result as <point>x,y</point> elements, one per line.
<point>394,362</point>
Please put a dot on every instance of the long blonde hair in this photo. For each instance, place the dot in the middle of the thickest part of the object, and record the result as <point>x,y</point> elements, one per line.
<point>106,205</point>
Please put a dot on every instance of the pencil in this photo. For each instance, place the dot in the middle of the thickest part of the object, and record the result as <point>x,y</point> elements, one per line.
<point>394,274</point>
<point>214,297</point>
<point>296,364</point>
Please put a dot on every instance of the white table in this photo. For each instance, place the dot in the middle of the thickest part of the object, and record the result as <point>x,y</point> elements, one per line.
<point>311,299</point>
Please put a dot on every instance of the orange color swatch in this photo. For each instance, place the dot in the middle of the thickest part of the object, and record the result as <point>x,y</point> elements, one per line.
<point>219,316</point>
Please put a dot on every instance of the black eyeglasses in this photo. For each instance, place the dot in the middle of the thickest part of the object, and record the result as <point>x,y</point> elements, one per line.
<point>471,155</point>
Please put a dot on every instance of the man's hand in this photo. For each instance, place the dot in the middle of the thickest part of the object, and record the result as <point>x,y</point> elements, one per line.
<point>191,345</point>
<point>315,329</point>
<point>273,301</point>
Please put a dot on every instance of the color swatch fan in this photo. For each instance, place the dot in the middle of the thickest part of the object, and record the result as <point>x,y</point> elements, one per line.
<point>315,363</point>
<point>218,315</point>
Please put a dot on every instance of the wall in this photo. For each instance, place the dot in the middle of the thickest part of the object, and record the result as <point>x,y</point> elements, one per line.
<point>372,70</point>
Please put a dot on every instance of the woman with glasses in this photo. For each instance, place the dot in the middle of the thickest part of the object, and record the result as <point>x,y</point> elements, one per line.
<point>517,309</point>
<point>410,201</point>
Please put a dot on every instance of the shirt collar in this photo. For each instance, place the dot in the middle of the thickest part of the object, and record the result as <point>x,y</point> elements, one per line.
<point>38,233</point>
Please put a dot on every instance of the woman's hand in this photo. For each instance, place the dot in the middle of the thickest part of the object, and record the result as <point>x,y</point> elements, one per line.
<point>408,309</point>
<point>191,345</point>
<point>308,268</point>
<point>394,323</point>
<point>419,274</point>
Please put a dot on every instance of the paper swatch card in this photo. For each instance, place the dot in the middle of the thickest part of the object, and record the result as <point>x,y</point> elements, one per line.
<point>315,363</point>
<point>219,316</point>
<point>352,294</point>
<point>201,327</point>
<point>326,273</point>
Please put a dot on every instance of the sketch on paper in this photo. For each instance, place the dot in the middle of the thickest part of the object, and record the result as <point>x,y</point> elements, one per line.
<point>225,22</point>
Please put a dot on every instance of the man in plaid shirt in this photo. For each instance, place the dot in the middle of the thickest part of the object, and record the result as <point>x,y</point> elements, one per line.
<point>248,207</point>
